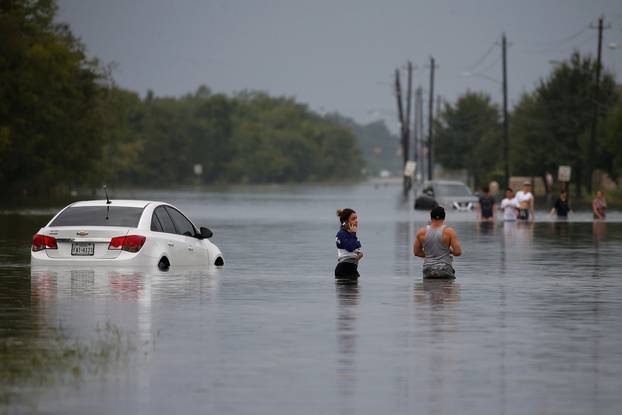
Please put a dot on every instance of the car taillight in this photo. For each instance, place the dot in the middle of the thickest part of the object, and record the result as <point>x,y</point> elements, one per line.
<point>130,243</point>
<point>41,242</point>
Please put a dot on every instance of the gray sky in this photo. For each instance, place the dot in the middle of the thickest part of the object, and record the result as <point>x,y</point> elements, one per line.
<point>337,55</point>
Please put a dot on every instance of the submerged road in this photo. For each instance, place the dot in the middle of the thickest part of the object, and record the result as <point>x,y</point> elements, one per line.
<point>530,325</point>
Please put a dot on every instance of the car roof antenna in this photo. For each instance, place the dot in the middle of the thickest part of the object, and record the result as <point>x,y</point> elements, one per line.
<point>107,198</point>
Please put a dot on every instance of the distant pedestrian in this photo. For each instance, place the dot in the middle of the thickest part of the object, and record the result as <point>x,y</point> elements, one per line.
<point>348,246</point>
<point>561,206</point>
<point>599,205</point>
<point>509,206</point>
<point>486,208</point>
<point>525,201</point>
<point>436,244</point>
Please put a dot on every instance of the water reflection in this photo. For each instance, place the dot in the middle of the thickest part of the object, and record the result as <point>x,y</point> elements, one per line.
<point>599,231</point>
<point>524,233</point>
<point>437,291</point>
<point>436,300</point>
<point>560,230</point>
<point>486,228</point>
<point>348,299</point>
<point>404,238</point>
<point>121,284</point>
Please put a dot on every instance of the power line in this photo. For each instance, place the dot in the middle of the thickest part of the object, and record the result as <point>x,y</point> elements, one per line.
<point>560,44</point>
<point>483,57</point>
<point>493,64</point>
<point>561,41</point>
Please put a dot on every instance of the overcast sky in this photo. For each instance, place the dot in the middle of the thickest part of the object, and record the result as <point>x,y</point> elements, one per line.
<point>338,55</point>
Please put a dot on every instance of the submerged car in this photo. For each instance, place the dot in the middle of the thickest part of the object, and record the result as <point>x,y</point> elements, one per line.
<point>122,233</point>
<point>449,194</point>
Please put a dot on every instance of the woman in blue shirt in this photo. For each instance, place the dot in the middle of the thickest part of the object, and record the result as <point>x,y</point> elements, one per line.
<point>348,246</point>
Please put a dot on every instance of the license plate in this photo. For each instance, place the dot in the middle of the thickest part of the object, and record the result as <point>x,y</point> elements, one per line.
<point>82,248</point>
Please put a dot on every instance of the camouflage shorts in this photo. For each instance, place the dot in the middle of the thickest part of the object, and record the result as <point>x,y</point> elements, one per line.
<point>438,271</point>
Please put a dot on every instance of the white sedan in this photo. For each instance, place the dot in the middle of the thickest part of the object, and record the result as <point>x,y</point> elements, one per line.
<point>123,232</point>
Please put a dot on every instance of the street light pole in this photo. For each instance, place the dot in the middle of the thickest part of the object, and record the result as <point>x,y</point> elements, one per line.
<point>506,139</point>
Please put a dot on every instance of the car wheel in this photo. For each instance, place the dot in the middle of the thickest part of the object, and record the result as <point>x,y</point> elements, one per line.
<point>164,263</point>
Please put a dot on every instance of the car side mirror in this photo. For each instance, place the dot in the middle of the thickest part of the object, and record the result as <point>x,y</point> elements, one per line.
<point>206,233</point>
<point>429,192</point>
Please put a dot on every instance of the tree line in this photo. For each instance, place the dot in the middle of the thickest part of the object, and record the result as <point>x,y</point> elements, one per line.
<point>65,124</point>
<point>549,126</point>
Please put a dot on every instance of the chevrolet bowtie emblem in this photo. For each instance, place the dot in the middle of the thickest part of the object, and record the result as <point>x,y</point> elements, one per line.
<point>82,233</point>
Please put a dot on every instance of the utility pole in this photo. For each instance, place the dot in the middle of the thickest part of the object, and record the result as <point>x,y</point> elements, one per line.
<point>506,133</point>
<point>404,118</point>
<point>418,128</point>
<point>400,110</point>
<point>590,165</point>
<point>431,118</point>
<point>406,138</point>
<point>421,132</point>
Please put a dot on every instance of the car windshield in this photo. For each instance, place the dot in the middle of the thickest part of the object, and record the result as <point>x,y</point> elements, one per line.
<point>452,190</point>
<point>127,217</point>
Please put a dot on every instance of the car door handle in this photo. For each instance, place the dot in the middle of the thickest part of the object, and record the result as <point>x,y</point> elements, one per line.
<point>171,244</point>
<point>190,248</point>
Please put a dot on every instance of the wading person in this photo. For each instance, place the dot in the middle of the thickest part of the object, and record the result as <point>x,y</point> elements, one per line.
<point>509,206</point>
<point>486,208</point>
<point>599,205</point>
<point>561,206</point>
<point>525,201</point>
<point>436,244</point>
<point>348,246</point>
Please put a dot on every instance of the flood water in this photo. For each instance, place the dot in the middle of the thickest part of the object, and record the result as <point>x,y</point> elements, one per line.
<point>531,325</point>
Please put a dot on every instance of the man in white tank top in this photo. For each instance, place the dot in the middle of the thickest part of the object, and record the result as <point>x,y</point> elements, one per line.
<point>436,244</point>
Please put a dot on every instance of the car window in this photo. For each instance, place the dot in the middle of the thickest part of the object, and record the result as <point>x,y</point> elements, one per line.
<point>155,224</point>
<point>165,220</point>
<point>99,216</point>
<point>182,224</point>
<point>453,190</point>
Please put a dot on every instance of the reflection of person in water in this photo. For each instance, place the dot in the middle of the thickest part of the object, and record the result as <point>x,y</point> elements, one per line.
<point>437,291</point>
<point>436,243</point>
<point>348,298</point>
<point>348,246</point>
<point>599,205</point>
<point>599,231</point>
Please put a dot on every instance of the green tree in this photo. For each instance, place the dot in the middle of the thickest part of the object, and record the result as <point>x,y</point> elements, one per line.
<point>121,111</point>
<point>551,126</point>
<point>380,148</point>
<point>611,140</point>
<point>49,126</point>
<point>468,136</point>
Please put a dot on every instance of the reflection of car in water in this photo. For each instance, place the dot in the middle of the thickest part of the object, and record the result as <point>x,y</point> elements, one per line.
<point>123,232</point>
<point>449,194</point>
